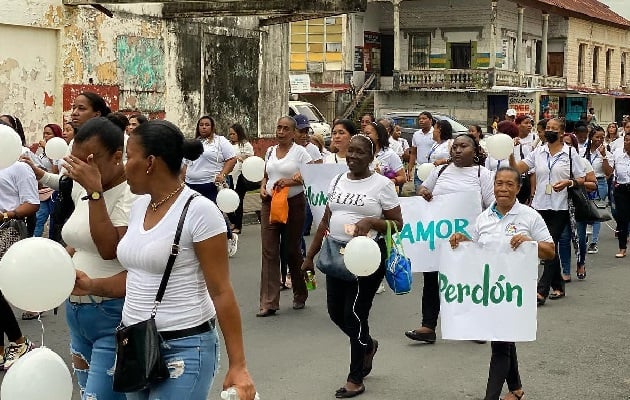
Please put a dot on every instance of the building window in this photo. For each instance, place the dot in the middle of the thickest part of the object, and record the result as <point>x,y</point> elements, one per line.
<point>419,50</point>
<point>609,56</point>
<point>581,62</point>
<point>596,52</point>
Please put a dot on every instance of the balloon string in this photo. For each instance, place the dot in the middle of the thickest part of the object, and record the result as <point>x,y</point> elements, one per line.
<point>39,318</point>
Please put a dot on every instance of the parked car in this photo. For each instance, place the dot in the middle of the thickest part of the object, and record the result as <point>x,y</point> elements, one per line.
<point>408,122</point>
<point>315,118</point>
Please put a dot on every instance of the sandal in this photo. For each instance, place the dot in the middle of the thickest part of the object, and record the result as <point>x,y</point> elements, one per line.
<point>556,295</point>
<point>621,254</point>
<point>540,300</point>
<point>28,315</point>
<point>237,231</point>
<point>516,396</point>
<point>581,275</point>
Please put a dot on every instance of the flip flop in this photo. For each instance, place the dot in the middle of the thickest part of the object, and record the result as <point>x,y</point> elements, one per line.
<point>556,296</point>
<point>343,393</point>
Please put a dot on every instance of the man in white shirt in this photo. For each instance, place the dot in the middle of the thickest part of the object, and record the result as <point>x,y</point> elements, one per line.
<point>421,145</point>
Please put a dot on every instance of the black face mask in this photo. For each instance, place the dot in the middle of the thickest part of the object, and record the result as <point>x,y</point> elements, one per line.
<point>551,136</point>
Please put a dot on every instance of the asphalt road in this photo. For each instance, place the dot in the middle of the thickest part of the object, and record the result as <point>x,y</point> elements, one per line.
<point>582,349</point>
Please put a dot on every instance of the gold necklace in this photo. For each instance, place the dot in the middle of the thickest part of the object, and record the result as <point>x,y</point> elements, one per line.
<point>155,205</point>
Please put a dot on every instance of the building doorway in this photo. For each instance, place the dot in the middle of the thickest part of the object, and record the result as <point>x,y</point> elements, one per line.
<point>387,55</point>
<point>461,55</point>
<point>555,64</point>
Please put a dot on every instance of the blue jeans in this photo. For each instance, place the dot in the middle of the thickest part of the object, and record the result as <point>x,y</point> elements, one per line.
<point>602,193</point>
<point>416,182</point>
<point>45,208</point>
<point>581,231</point>
<point>564,250</point>
<point>92,338</point>
<point>193,362</point>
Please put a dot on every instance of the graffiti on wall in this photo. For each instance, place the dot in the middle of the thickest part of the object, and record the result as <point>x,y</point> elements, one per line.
<point>140,63</point>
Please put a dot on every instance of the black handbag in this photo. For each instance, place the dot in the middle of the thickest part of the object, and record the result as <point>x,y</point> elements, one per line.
<point>585,209</point>
<point>139,361</point>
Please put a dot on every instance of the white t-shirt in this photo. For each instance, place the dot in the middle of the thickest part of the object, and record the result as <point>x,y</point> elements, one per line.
<point>241,150</point>
<point>18,185</point>
<point>76,231</point>
<point>353,200</point>
<point>490,227</point>
<point>404,144</point>
<point>423,143</point>
<point>540,160</point>
<point>144,254</point>
<point>396,146</point>
<point>616,144</point>
<point>333,158</point>
<point>465,179</point>
<point>622,166</point>
<point>386,160</point>
<point>285,167</point>
<point>439,151</point>
<point>313,151</point>
<point>597,162</point>
<point>206,168</point>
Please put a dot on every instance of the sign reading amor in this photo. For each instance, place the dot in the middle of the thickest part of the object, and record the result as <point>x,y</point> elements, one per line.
<point>427,225</point>
<point>489,293</point>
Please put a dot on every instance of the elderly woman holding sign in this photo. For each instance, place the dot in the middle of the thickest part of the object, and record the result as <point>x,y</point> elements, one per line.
<point>507,219</point>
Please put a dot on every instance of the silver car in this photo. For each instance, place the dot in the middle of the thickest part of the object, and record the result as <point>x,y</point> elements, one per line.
<point>408,123</point>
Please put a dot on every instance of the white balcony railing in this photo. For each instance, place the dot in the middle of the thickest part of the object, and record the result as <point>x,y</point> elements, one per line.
<point>476,79</point>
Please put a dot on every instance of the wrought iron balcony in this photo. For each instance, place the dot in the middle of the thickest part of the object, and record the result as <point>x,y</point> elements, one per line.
<point>476,79</point>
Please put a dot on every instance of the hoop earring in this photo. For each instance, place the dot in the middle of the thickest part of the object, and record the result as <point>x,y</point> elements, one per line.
<point>476,159</point>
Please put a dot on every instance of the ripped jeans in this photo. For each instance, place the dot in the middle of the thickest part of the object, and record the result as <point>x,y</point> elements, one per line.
<point>192,362</point>
<point>92,339</point>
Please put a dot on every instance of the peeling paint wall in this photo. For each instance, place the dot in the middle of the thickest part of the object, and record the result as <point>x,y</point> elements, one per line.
<point>178,69</point>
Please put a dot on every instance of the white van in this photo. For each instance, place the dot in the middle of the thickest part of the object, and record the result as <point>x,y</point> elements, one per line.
<point>315,118</point>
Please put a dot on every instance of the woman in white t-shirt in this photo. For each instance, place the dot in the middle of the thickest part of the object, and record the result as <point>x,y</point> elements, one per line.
<point>443,138</point>
<point>282,167</point>
<point>243,149</point>
<point>461,174</point>
<point>102,201</point>
<point>386,161</point>
<point>207,173</point>
<point>199,282</point>
<point>342,132</point>
<point>359,204</point>
<point>490,230</point>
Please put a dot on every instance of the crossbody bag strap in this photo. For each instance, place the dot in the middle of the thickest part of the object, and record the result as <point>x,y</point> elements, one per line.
<point>172,256</point>
<point>333,191</point>
<point>388,237</point>
<point>570,165</point>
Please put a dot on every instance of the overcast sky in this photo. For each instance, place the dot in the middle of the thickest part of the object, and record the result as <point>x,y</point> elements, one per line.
<point>621,7</point>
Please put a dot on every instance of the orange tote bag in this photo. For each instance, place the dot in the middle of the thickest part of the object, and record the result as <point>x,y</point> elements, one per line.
<point>279,206</point>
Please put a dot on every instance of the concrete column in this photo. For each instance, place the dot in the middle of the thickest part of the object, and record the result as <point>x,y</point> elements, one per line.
<point>493,36</point>
<point>396,4</point>
<point>519,40</point>
<point>543,48</point>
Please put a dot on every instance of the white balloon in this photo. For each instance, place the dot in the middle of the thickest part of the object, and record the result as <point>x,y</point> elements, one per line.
<point>362,256</point>
<point>424,170</point>
<point>10,146</point>
<point>254,169</point>
<point>36,274</point>
<point>38,374</point>
<point>227,200</point>
<point>500,146</point>
<point>56,148</point>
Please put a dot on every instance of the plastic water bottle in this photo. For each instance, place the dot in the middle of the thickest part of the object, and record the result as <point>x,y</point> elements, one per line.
<point>232,394</point>
<point>311,281</point>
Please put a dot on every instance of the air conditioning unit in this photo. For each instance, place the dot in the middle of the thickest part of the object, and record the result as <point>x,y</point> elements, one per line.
<point>314,67</point>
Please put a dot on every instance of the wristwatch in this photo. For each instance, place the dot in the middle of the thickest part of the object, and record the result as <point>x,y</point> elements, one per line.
<point>94,196</point>
<point>5,216</point>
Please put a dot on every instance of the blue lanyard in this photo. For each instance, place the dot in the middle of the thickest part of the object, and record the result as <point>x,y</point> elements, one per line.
<point>498,165</point>
<point>556,158</point>
<point>432,151</point>
<point>594,156</point>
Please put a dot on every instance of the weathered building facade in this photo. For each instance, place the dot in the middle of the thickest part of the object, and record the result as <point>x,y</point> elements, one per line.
<point>174,60</point>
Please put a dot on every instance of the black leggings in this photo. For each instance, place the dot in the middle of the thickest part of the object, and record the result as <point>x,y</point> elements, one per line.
<point>8,323</point>
<point>622,204</point>
<point>430,300</point>
<point>503,368</point>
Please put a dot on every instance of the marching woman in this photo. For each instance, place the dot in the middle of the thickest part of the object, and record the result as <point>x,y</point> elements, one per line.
<point>621,159</point>
<point>386,161</point>
<point>443,138</point>
<point>211,169</point>
<point>461,174</point>
<point>551,165</point>
<point>199,286</point>
<point>243,149</point>
<point>490,225</point>
<point>349,301</point>
<point>342,132</point>
<point>102,201</point>
<point>282,166</point>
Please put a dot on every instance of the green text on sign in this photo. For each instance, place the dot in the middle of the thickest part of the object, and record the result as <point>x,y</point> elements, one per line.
<point>500,292</point>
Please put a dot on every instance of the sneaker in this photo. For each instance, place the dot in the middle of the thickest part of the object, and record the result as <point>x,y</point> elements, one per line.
<point>232,245</point>
<point>592,248</point>
<point>381,288</point>
<point>2,361</point>
<point>14,351</point>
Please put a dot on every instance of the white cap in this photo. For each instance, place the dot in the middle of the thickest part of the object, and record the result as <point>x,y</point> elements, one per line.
<point>511,112</point>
